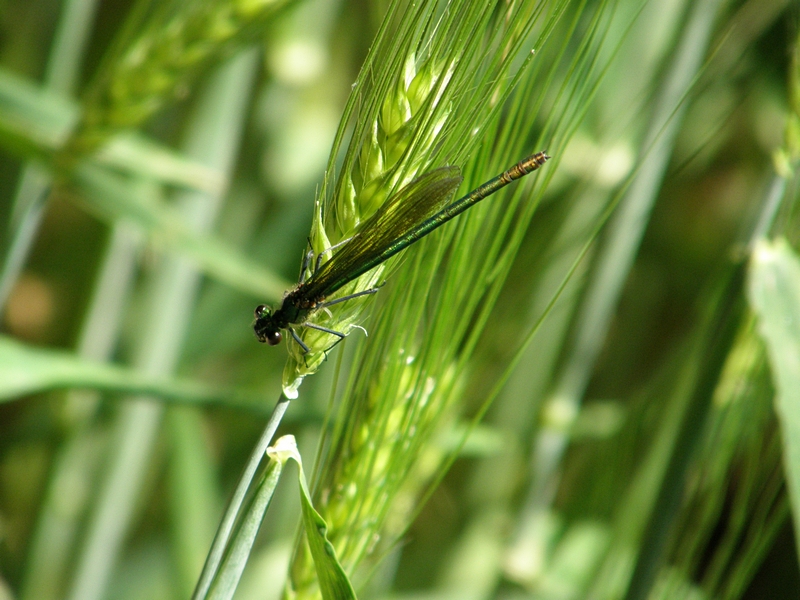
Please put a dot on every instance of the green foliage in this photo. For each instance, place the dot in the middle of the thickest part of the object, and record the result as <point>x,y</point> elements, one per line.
<point>333,581</point>
<point>583,387</point>
<point>775,296</point>
<point>25,370</point>
<point>167,47</point>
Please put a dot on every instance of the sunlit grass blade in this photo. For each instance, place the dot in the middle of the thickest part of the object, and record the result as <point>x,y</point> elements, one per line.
<point>137,155</point>
<point>113,197</point>
<point>26,370</point>
<point>234,509</point>
<point>331,576</point>
<point>33,120</point>
<point>774,293</point>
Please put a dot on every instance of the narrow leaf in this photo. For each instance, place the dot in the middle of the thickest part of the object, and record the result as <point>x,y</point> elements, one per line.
<point>133,153</point>
<point>33,120</point>
<point>114,197</point>
<point>775,297</point>
<point>227,580</point>
<point>333,581</point>
<point>36,122</point>
<point>27,370</point>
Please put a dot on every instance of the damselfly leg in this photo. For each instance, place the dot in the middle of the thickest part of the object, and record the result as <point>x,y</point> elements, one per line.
<point>309,259</point>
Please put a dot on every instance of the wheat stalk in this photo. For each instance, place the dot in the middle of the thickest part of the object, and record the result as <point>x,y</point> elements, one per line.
<point>383,165</point>
<point>407,377</point>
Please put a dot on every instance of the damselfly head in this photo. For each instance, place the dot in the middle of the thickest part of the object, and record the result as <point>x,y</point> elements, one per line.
<point>267,332</point>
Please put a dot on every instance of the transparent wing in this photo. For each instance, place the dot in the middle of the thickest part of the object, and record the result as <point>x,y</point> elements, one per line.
<point>379,236</point>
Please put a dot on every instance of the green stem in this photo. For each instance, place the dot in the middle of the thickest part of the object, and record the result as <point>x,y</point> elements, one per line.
<point>220,544</point>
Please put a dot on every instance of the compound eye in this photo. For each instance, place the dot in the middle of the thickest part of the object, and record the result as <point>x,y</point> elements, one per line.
<point>274,338</point>
<point>261,310</point>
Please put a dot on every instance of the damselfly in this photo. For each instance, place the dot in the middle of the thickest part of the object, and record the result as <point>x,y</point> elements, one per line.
<point>415,211</point>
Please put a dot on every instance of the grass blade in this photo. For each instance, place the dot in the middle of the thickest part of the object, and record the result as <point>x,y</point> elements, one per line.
<point>25,370</point>
<point>333,581</point>
<point>774,292</point>
<point>227,578</point>
<point>159,346</point>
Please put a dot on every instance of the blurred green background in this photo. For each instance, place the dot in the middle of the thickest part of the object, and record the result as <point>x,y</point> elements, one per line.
<point>546,499</point>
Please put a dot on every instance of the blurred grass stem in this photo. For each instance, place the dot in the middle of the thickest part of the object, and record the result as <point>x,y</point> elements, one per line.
<point>720,331</point>
<point>621,242</point>
<point>61,75</point>
<point>213,139</point>
<point>58,522</point>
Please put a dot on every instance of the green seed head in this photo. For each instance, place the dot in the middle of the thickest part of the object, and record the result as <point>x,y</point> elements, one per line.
<point>385,162</point>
